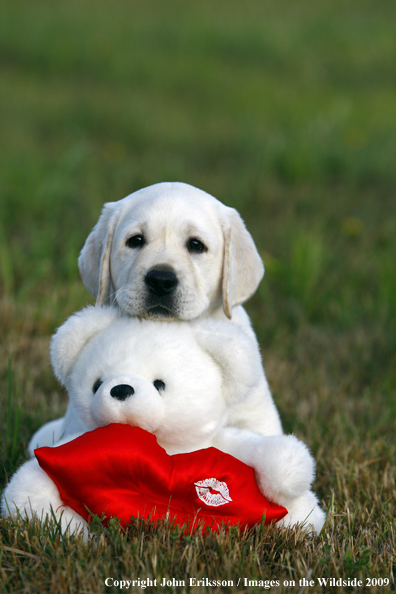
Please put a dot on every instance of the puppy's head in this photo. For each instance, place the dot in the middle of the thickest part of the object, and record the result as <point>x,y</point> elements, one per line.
<point>170,251</point>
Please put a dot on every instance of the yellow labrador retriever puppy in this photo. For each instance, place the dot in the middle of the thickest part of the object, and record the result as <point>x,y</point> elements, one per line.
<point>171,252</point>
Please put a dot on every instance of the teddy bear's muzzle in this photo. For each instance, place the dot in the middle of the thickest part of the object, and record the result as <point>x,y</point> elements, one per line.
<point>121,392</point>
<point>127,399</point>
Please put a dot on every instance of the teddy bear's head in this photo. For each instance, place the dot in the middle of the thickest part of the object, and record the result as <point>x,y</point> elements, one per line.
<point>175,380</point>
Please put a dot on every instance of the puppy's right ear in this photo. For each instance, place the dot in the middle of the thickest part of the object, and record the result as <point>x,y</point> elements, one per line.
<point>243,268</point>
<point>94,259</point>
<point>70,339</point>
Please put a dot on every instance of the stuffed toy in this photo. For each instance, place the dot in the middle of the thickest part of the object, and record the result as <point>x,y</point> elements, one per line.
<point>119,471</point>
<point>174,381</point>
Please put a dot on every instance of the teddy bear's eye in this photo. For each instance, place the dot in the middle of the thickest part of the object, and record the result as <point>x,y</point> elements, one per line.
<point>96,385</point>
<point>159,384</point>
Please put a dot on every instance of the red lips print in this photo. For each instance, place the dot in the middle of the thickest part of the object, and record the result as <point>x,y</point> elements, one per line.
<point>121,471</point>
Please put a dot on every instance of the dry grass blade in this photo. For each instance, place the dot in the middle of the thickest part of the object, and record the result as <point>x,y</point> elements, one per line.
<point>20,552</point>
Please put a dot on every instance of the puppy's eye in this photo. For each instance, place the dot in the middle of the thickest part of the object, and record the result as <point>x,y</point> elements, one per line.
<point>136,241</point>
<point>96,386</point>
<point>159,384</point>
<point>194,245</point>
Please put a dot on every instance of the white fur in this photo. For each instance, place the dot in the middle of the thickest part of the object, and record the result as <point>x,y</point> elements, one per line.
<point>226,274</point>
<point>206,366</point>
<point>212,283</point>
<point>32,493</point>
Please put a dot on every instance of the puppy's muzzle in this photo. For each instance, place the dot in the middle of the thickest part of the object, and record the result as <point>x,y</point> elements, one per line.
<point>161,282</point>
<point>121,392</point>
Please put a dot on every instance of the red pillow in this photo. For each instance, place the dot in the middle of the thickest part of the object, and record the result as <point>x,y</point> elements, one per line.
<point>121,471</point>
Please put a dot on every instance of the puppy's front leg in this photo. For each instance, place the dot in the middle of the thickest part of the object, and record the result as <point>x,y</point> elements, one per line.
<point>284,467</point>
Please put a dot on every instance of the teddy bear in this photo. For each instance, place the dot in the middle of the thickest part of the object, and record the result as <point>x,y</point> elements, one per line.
<point>176,381</point>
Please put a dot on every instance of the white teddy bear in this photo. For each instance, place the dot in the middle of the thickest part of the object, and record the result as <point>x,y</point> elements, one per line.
<point>174,380</point>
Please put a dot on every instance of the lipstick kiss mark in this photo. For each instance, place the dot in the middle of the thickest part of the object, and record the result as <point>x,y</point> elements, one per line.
<point>204,492</point>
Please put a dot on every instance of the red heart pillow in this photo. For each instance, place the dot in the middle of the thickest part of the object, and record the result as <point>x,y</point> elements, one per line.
<point>121,471</point>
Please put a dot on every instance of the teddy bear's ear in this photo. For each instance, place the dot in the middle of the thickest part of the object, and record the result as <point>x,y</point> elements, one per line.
<point>235,352</point>
<point>69,340</point>
<point>94,259</point>
<point>243,268</point>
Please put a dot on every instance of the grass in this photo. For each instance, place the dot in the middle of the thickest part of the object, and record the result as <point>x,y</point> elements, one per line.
<point>285,111</point>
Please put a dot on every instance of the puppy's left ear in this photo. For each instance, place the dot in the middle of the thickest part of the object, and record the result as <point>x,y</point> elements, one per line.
<point>236,354</point>
<point>94,259</point>
<point>243,268</point>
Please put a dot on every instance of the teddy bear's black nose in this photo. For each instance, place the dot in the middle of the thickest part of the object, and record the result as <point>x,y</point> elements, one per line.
<point>161,282</point>
<point>122,391</point>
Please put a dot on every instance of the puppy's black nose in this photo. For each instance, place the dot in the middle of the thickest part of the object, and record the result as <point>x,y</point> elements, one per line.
<point>161,282</point>
<point>122,391</point>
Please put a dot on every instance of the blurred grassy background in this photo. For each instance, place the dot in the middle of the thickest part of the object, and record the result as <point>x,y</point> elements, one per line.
<point>283,110</point>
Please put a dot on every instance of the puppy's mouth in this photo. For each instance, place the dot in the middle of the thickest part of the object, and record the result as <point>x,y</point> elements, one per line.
<point>159,312</point>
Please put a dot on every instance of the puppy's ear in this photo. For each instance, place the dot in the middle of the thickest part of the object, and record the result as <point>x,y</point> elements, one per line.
<point>70,339</point>
<point>243,268</point>
<point>94,259</point>
<point>236,354</point>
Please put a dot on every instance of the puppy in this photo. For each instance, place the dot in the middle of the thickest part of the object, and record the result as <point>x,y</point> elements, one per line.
<point>172,252</point>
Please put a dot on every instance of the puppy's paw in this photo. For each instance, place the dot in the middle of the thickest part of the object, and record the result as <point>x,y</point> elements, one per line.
<point>284,468</point>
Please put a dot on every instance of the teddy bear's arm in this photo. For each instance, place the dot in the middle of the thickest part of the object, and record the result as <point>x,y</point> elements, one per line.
<point>283,464</point>
<point>48,435</point>
<point>284,471</point>
<point>305,511</point>
<point>32,493</point>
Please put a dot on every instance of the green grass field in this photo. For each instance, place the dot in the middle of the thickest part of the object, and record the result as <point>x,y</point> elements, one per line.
<point>283,110</point>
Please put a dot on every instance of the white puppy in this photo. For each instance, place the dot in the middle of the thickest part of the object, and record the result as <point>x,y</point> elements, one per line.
<point>173,252</point>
